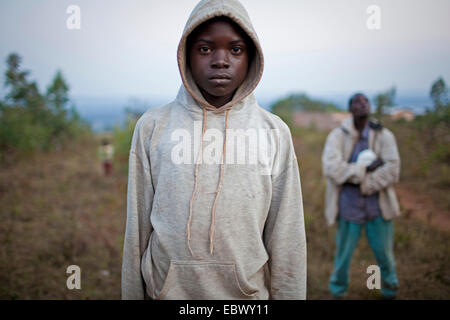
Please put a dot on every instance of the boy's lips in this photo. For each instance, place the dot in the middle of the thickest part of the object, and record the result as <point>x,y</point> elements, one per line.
<point>220,76</point>
<point>220,79</point>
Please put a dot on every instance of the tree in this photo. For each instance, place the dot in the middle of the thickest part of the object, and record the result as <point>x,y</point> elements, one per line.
<point>385,100</point>
<point>58,92</point>
<point>22,92</point>
<point>57,98</point>
<point>32,121</point>
<point>15,79</point>
<point>438,94</point>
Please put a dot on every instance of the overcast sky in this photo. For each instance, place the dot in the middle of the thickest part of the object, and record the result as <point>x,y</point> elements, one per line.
<point>128,48</point>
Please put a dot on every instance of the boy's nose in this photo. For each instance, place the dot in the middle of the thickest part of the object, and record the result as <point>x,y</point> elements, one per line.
<point>220,60</point>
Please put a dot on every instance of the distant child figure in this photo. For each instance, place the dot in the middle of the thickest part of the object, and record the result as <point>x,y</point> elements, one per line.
<point>361,164</point>
<point>202,229</point>
<point>106,153</point>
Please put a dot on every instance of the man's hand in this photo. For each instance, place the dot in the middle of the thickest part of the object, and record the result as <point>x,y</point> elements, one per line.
<point>375,165</point>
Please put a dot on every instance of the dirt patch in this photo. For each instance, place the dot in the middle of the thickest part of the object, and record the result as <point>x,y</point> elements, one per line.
<point>420,206</point>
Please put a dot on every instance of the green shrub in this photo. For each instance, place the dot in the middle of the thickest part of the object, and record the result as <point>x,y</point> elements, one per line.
<point>31,121</point>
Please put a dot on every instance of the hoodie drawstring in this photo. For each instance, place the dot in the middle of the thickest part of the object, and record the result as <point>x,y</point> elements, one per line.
<point>219,186</point>
<point>199,157</point>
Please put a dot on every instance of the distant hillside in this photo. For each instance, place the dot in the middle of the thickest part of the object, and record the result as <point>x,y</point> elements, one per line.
<point>285,107</point>
<point>103,113</point>
<point>303,102</point>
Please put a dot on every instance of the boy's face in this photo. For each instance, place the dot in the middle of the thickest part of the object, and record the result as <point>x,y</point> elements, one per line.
<point>360,107</point>
<point>218,58</point>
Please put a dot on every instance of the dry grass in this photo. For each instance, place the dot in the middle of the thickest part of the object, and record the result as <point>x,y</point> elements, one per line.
<point>422,252</point>
<point>57,209</point>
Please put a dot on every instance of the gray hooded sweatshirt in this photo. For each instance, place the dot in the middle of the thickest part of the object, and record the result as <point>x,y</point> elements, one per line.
<point>225,229</point>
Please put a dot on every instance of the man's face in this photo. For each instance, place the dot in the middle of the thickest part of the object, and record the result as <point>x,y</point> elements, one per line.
<point>218,58</point>
<point>360,107</point>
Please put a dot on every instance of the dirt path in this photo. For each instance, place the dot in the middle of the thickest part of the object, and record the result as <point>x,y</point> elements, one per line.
<point>420,206</point>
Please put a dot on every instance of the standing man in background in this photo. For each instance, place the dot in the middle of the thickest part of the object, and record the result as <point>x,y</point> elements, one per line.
<point>361,163</point>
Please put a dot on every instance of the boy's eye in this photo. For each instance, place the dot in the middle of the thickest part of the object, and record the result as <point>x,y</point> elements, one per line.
<point>236,50</point>
<point>204,49</point>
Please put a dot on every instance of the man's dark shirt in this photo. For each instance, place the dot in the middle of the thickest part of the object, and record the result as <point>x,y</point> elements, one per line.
<point>353,206</point>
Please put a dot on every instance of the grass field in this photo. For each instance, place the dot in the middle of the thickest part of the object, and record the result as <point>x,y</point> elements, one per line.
<point>57,209</point>
<point>422,251</point>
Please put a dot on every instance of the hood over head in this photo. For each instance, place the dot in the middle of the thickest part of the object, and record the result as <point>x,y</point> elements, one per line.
<point>204,11</point>
<point>207,10</point>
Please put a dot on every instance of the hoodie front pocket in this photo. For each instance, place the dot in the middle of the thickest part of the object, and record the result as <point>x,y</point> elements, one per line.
<point>194,280</point>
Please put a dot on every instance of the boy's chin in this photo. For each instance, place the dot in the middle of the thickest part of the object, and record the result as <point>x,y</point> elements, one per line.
<point>219,93</point>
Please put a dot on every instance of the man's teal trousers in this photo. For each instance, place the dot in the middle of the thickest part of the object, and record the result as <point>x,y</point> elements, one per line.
<point>380,234</point>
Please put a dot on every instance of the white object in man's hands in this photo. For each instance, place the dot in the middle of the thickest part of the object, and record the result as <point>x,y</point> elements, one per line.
<point>366,157</point>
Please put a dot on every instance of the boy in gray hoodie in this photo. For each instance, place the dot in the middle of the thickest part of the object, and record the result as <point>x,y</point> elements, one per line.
<point>200,225</point>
